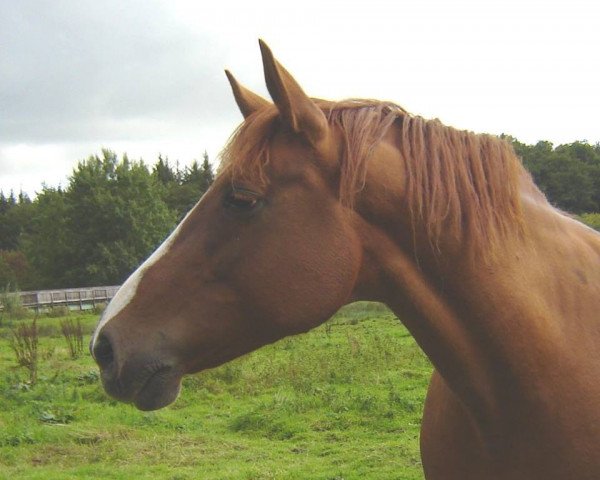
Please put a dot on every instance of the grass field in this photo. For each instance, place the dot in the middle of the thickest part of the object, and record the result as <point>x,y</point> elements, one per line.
<point>341,402</point>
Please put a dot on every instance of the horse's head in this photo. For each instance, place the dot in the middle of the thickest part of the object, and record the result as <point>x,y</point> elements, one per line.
<point>268,251</point>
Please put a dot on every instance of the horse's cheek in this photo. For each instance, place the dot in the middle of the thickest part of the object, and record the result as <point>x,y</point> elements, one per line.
<point>313,279</point>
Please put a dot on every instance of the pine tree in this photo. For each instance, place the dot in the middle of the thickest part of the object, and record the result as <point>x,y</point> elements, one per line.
<point>163,172</point>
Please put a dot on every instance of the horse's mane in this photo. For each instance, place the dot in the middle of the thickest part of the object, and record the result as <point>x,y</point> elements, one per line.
<point>457,182</point>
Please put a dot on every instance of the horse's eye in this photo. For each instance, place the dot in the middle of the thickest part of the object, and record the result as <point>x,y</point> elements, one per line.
<point>242,200</point>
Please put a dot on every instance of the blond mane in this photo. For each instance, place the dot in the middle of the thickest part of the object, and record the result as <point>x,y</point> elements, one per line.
<point>457,182</point>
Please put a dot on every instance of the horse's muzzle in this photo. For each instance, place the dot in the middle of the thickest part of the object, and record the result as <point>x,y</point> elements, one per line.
<point>147,381</point>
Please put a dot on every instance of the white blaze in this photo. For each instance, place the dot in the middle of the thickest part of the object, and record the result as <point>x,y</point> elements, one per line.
<point>128,290</point>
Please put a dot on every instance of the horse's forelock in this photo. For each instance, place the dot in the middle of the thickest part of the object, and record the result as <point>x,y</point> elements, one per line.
<point>246,154</point>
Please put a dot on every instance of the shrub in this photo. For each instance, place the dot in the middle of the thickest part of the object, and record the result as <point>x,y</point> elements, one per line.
<point>73,334</point>
<point>24,342</point>
<point>11,306</point>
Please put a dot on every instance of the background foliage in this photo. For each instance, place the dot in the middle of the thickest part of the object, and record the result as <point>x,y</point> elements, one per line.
<point>114,212</point>
<point>569,175</point>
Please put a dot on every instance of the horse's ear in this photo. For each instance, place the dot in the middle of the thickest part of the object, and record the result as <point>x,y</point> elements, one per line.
<point>295,107</point>
<point>249,102</point>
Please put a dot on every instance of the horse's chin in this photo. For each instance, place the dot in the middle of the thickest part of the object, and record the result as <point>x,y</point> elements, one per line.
<point>160,390</point>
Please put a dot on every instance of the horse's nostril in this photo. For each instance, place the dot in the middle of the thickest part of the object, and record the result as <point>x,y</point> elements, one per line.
<point>103,351</point>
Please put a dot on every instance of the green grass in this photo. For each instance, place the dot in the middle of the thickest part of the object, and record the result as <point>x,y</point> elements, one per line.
<point>341,402</point>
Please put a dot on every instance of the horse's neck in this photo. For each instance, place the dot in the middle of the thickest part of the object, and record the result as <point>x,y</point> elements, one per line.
<point>491,329</point>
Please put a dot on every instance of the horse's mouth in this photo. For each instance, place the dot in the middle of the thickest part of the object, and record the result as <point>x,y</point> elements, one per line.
<point>159,390</point>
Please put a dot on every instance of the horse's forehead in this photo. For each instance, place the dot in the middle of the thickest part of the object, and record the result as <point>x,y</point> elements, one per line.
<point>284,146</point>
<point>262,154</point>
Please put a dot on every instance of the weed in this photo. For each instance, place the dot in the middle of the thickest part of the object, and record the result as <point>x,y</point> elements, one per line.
<point>11,306</point>
<point>24,343</point>
<point>57,416</point>
<point>73,334</point>
<point>14,440</point>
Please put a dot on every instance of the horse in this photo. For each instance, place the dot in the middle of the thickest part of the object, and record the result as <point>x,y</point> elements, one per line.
<point>318,204</point>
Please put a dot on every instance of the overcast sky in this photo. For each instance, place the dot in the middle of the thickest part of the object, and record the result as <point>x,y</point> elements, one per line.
<point>146,77</point>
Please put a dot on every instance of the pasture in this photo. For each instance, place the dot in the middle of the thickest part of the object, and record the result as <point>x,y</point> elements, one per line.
<point>339,403</point>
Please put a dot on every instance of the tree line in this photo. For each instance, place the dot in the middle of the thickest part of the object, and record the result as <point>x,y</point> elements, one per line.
<point>96,230</point>
<point>114,212</point>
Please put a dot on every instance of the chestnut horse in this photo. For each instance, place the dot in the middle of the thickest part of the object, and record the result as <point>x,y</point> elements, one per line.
<point>319,204</point>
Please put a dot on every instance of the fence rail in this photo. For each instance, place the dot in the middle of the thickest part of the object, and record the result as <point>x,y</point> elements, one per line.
<point>73,298</point>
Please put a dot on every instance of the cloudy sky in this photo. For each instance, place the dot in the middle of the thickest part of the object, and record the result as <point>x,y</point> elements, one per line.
<point>146,77</point>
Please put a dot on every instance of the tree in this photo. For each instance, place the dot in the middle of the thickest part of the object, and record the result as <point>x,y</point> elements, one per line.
<point>9,231</point>
<point>569,175</point>
<point>15,271</point>
<point>112,214</point>
<point>208,176</point>
<point>46,244</point>
<point>14,219</point>
<point>163,172</point>
<point>189,185</point>
<point>115,218</point>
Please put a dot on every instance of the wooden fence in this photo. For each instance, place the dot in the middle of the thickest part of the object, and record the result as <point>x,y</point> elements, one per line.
<point>72,298</point>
